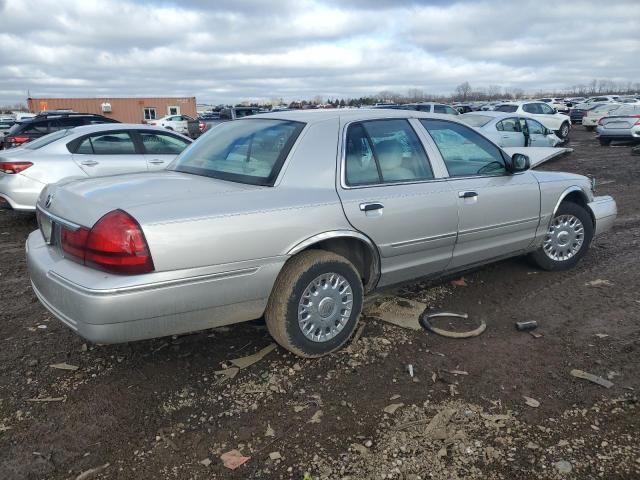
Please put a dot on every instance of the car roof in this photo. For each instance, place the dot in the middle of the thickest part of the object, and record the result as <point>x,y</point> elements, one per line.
<point>105,127</point>
<point>492,113</point>
<point>348,114</point>
<point>521,102</point>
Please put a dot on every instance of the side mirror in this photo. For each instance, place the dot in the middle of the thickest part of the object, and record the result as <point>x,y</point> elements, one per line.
<point>519,163</point>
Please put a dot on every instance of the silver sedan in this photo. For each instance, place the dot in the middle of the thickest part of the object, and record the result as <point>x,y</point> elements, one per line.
<point>81,152</point>
<point>294,216</point>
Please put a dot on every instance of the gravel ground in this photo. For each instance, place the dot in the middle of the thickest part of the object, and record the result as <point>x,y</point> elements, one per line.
<point>162,409</point>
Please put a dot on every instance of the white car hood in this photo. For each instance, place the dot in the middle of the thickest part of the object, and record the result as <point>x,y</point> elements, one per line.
<point>539,155</point>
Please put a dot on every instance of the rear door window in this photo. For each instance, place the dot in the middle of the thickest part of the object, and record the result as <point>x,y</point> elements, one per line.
<point>108,143</point>
<point>532,108</point>
<point>384,151</point>
<point>162,144</point>
<point>508,125</point>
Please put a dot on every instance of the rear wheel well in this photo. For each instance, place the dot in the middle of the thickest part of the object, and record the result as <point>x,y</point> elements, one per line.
<point>357,252</point>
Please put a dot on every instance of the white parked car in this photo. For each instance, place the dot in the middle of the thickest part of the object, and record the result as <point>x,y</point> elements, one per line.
<point>557,103</point>
<point>177,123</point>
<point>559,123</point>
<point>509,130</point>
<point>81,152</point>
<point>593,116</point>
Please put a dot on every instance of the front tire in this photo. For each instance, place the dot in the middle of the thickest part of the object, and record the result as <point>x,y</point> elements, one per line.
<point>567,239</point>
<point>563,133</point>
<point>315,303</point>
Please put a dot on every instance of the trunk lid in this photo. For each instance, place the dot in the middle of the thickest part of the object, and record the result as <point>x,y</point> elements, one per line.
<point>87,200</point>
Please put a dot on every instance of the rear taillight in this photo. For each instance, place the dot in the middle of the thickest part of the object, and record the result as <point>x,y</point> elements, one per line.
<point>115,244</point>
<point>202,126</point>
<point>14,140</point>
<point>14,167</point>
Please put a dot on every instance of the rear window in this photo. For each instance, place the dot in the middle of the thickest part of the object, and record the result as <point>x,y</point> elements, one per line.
<point>506,108</point>
<point>47,139</point>
<point>246,151</point>
<point>475,120</point>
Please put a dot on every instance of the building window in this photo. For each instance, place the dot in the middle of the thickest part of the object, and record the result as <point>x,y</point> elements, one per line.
<point>173,110</point>
<point>149,113</point>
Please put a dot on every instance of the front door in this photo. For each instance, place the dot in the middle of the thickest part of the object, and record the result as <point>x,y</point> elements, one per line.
<point>499,212</point>
<point>538,134</point>
<point>109,153</point>
<point>390,193</point>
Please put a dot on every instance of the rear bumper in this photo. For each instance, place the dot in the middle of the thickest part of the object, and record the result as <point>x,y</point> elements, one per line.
<point>605,211</point>
<point>632,133</point>
<point>147,309</point>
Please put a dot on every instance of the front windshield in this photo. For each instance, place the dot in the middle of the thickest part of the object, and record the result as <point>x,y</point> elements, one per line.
<point>246,151</point>
<point>475,120</point>
<point>47,139</point>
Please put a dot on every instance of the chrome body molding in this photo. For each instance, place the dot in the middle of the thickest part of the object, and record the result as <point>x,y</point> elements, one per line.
<point>374,267</point>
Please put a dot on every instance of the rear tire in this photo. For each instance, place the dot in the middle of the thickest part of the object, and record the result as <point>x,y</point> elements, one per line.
<point>589,128</point>
<point>604,142</point>
<point>567,239</point>
<point>315,303</point>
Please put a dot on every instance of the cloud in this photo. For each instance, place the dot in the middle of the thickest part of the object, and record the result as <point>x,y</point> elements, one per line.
<point>230,50</point>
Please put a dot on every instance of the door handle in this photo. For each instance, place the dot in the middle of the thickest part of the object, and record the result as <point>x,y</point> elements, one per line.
<point>89,163</point>
<point>467,194</point>
<point>156,161</point>
<point>367,207</point>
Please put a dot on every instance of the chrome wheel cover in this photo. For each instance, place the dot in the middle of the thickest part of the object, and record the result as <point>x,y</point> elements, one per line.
<point>325,307</point>
<point>564,238</point>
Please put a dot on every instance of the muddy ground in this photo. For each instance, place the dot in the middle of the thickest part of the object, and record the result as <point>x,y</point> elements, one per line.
<point>157,409</point>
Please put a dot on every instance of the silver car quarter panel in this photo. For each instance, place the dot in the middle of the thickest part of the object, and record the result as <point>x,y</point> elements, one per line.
<point>20,191</point>
<point>107,308</point>
<point>605,211</point>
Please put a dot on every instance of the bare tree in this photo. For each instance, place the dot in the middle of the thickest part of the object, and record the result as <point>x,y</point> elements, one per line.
<point>494,92</point>
<point>463,90</point>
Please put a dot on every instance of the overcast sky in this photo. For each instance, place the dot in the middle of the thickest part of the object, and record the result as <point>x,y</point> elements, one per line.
<point>232,50</point>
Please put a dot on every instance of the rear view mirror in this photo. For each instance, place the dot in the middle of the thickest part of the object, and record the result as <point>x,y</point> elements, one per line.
<point>519,163</point>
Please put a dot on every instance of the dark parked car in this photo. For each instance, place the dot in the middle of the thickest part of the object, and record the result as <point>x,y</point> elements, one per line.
<point>41,125</point>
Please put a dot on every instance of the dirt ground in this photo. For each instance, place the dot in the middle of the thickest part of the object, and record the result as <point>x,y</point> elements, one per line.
<point>158,409</point>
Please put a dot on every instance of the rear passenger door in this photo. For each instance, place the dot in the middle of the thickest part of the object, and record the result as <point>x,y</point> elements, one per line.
<point>390,191</point>
<point>510,133</point>
<point>160,148</point>
<point>108,153</point>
